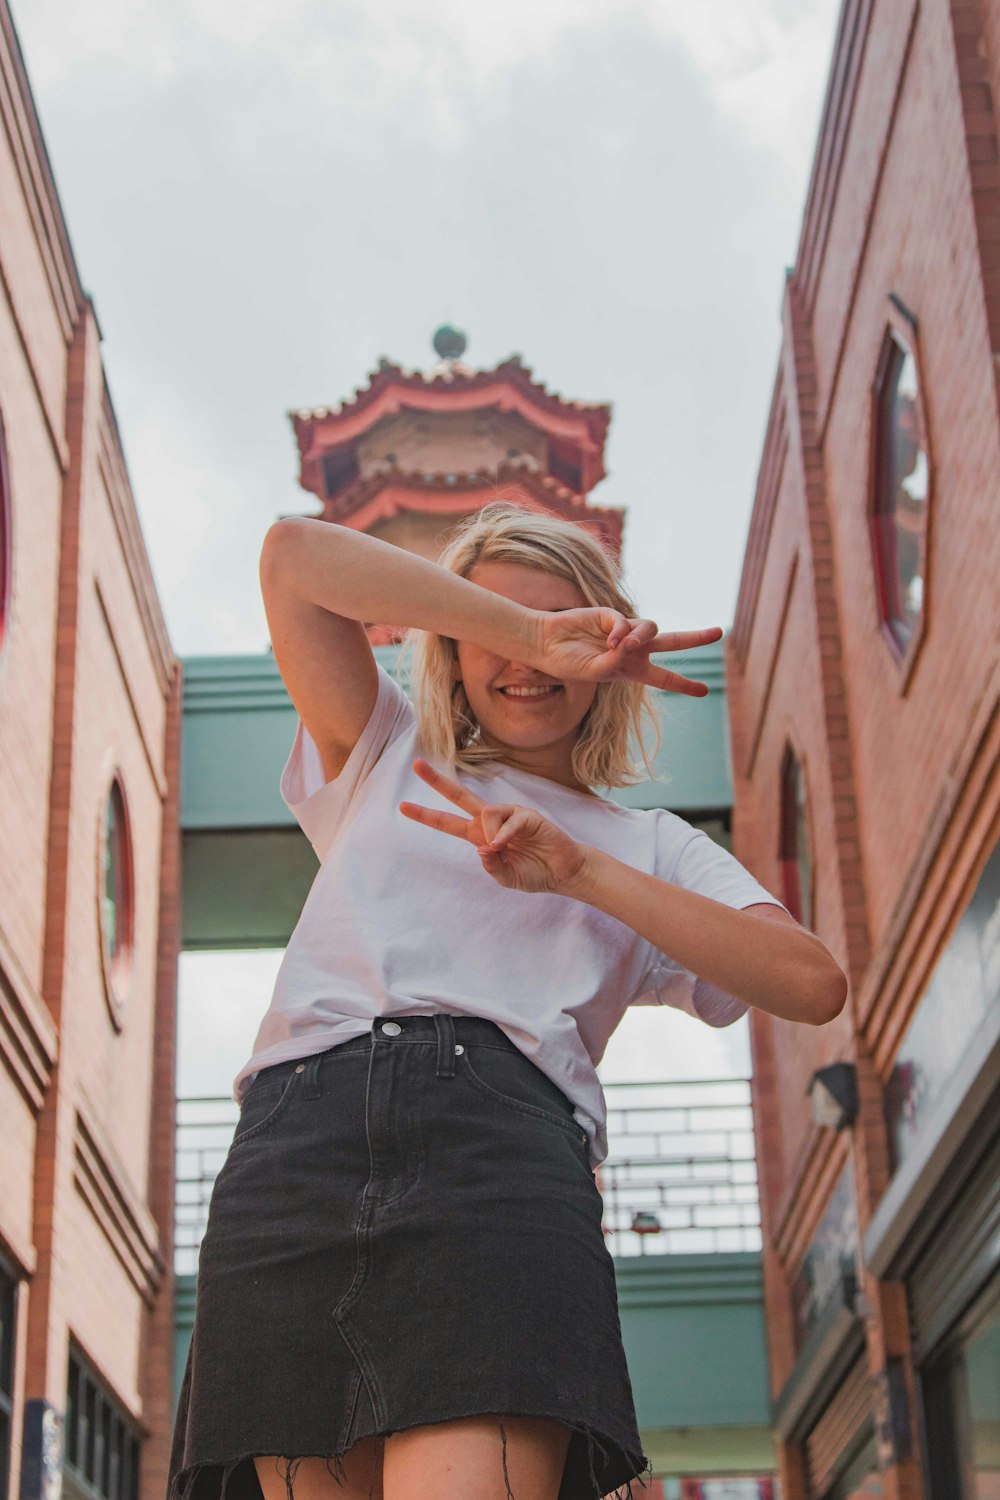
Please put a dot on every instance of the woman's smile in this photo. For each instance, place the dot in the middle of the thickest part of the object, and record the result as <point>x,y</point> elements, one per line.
<point>539,694</point>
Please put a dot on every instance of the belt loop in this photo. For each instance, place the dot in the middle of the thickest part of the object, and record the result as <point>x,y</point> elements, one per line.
<point>310,1077</point>
<point>445,1027</point>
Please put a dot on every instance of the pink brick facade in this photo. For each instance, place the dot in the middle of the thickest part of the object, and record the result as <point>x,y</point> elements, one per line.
<point>89,688</point>
<point>899,758</point>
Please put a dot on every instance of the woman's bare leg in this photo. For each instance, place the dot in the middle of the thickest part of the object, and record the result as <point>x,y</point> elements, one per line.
<point>457,1460</point>
<point>313,1480</point>
<point>464,1460</point>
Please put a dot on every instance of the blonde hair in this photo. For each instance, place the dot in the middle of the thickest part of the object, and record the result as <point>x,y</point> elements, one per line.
<point>503,532</point>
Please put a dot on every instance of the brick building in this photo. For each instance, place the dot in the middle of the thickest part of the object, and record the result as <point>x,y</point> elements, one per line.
<point>89,734</point>
<point>862,676</point>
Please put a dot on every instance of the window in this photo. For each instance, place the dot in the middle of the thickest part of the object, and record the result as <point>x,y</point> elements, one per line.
<point>102,1442</point>
<point>900,491</point>
<point>8,1316</point>
<point>566,465</point>
<point>5,549</point>
<point>340,469</point>
<point>116,894</point>
<point>793,852</point>
<point>961,1401</point>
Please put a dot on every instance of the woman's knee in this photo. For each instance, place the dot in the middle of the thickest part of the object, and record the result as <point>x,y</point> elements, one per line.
<point>484,1457</point>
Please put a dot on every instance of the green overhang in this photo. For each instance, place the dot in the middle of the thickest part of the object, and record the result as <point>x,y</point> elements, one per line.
<point>246,867</point>
<point>239,724</point>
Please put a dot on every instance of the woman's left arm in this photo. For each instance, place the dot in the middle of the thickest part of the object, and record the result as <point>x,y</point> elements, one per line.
<point>760,955</point>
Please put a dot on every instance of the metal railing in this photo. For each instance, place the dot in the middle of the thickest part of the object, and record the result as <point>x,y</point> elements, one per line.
<point>205,1126</point>
<point>680,1174</point>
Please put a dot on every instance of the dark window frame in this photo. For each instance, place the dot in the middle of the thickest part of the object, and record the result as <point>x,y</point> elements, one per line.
<point>10,1286</point>
<point>945,1417</point>
<point>101,1432</point>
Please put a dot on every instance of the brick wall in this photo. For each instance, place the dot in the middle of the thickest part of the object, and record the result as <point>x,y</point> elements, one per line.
<point>900,770</point>
<point>89,687</point>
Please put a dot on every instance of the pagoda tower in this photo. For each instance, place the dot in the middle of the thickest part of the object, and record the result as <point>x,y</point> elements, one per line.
<point>413,452</point>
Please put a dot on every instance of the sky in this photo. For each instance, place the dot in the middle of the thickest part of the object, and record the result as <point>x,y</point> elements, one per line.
<point>266,196</point>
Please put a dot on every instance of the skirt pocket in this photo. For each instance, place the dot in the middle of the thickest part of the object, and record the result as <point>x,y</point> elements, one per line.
<point>267,1100</point>
<point>512,1080</point>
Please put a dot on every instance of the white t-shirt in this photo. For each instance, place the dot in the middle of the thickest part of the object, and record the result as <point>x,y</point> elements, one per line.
<point>404,919</point>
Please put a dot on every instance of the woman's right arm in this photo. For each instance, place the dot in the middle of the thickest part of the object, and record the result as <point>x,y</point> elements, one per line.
<point>321,583</point>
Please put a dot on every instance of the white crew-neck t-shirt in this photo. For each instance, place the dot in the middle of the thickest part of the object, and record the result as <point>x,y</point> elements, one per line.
<point>403,919</point>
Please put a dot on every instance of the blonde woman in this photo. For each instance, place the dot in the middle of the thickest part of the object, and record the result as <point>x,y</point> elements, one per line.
<point>404,1292</point>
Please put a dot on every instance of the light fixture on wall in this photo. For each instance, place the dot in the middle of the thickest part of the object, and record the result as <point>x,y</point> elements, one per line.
<point>833,1094</point>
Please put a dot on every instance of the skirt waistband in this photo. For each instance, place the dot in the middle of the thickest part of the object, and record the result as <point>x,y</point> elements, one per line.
<point>440,1029</point>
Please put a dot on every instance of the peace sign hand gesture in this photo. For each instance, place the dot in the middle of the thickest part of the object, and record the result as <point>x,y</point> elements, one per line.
<point>601,645</point>
<point>520,849</point>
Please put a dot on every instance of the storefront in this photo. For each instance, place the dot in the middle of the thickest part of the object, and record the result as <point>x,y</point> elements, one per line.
<point>937,1230</point>
<point>938,1225</point>
<point>826,1408</point>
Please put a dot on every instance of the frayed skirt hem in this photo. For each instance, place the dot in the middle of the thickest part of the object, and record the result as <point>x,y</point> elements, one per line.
<point>210,1478</point>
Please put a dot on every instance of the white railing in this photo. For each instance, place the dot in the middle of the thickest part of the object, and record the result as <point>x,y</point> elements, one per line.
<point>680,1175</point>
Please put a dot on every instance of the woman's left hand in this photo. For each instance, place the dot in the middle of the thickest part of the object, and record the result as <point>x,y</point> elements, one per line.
<point>520,849</point>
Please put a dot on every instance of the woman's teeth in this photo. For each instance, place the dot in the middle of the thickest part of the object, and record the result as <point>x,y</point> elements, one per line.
<point>528,692</point>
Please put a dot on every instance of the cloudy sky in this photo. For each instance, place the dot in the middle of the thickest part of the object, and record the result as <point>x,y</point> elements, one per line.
<point>265,196</point>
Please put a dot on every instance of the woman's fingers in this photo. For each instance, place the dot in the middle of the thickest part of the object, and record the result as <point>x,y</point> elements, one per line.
<point>448,787</point>
<point>642,633</point>
<point>673,682</point>
<point>444,822</point>
<point>507,824</point>
<point>619,629</point>
<point>685,640</point>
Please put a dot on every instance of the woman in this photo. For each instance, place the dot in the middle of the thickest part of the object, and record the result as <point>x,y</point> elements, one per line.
<point>404,1291</point>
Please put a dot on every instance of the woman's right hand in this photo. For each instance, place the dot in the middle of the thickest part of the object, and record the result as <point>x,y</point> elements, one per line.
<point>602,645</point>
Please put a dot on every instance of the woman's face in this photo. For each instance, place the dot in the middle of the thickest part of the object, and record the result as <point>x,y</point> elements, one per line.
<point>535,729</point>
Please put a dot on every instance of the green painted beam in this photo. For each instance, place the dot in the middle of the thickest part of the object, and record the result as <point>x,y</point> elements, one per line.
<point>244,887</point>
<point>246,867</point>
<point>239,723</point>
<point>682,1316</point>
<point>710,1451</point>
<point>185,1293</point>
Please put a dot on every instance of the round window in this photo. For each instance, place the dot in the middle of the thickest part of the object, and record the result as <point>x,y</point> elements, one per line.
<point>901,491</point>
<point>116,892</point>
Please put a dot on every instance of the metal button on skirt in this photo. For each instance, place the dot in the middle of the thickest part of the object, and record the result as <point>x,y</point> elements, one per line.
<point>405,1230</point>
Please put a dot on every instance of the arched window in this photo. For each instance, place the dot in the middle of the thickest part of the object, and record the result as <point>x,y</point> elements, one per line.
<point>5,526</point>
<point>793,852</point>
<point>116,896</point>
<point>900,490</point>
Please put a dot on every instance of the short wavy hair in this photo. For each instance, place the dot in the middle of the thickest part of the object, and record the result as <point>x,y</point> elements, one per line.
<point>610,749</point>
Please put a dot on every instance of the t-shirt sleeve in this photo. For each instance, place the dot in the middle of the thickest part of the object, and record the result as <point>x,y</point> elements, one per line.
<point>688,857</point>
<point>317,804</point>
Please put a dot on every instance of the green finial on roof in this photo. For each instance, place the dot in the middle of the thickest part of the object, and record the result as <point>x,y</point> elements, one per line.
<point>449,343</point>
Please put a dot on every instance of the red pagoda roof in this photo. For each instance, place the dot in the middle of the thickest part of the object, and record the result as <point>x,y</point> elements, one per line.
<point>451,386</point>
<point>392,490</point>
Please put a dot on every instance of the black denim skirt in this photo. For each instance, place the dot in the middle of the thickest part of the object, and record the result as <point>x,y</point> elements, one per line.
<point>406,1230</point>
